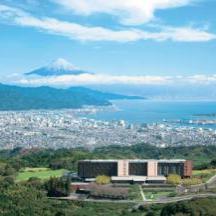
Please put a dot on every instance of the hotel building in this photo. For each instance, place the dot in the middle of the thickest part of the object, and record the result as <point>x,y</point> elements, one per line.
<point>148,171</point>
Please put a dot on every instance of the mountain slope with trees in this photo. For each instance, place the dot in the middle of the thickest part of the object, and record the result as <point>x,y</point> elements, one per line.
<point>27,98</point>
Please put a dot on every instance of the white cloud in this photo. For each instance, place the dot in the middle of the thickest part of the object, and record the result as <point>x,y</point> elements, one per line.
<point>85,33</point>
<point>104,79</point>
<point>91,79</point>
<point>130,12</point>
<point>202,79</point>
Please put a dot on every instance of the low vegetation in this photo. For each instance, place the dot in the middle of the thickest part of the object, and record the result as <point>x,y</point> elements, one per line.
<point>134,193</point>
<point>174,179</point>
<point>154,195</point>
<point>205,174</point>
<point>206,206</point>
<point>191,181</point>
<point>103,180</point>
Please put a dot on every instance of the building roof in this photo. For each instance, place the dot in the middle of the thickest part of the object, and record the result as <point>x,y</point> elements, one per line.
<point>136,160</point>
<point>138,178</point>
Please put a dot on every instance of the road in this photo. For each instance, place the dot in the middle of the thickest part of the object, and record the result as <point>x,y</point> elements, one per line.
<point>162,201</point>
<point>183,198</point>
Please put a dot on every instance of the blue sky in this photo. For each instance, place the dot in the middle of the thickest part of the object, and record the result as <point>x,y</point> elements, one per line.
<point>116,37</point>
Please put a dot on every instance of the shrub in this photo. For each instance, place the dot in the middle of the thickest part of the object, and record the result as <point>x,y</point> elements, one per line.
<point>174,179</point>
<point>192,181</point>
<point>102,180</point>
<point>173,194</point>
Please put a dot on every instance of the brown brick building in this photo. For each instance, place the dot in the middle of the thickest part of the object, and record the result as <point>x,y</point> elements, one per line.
<point>149,171</point>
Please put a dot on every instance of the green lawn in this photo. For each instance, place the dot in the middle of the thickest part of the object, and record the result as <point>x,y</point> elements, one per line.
<point>42,173</point>
<point>205,175</point>
<point>36,169</point>
<point>153,195</point>
<point>134,193</point>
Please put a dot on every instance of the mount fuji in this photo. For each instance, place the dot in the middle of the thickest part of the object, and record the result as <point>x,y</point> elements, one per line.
<point>14,97</point>
<point>58,67</point>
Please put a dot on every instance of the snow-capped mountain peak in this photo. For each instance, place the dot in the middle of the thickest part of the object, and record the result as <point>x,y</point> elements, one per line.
<point>62,64</point>
<point>59,67</point>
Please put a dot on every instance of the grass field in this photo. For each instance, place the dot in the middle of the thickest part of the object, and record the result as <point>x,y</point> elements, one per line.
<point>205,175</point>
<point>155,195</point>
<point>134,193</point>
<point>41,173</point>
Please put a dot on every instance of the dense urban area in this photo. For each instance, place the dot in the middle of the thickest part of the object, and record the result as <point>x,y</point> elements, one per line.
<point>40,152</point>
<point>69,129</point>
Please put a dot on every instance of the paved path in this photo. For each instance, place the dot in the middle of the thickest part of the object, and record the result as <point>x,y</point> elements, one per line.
<point>142,193</point>
<point>212,180</point>
<point>162,201</point>
<point>184,198</point>
<point>211,183</point>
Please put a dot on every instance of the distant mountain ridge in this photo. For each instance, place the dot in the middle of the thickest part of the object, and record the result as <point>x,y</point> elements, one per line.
<point>27,98</point>
<point>58,67</point>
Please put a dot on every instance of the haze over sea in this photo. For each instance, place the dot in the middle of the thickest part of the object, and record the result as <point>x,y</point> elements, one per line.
<point>154,111</point>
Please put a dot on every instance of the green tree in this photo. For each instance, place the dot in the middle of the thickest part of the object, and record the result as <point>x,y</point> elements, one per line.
<point>21,200</point>
<point>213,163</point>
<point>9,171</point>
<point>57,187</point>
<point>176,208</point>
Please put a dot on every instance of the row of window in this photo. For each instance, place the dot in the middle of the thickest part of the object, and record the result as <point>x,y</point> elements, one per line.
<point>91,170</point>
